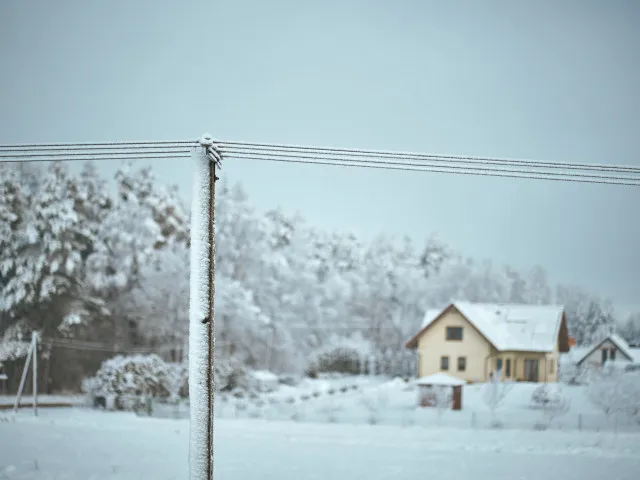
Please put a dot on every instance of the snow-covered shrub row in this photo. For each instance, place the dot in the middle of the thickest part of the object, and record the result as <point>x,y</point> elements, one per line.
<point>137,375</point>
<point>149,375</point>
<point>340,355</point>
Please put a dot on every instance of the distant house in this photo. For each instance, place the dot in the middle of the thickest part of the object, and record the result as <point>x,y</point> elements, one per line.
<point>611,348</point>
<point>472,340</point>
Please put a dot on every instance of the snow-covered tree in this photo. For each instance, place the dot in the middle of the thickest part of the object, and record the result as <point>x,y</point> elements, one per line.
<point>495,392</point>
<point>552,402</point>
<point>589,318</point>
<point>630,329</point>
<point>615,391</point>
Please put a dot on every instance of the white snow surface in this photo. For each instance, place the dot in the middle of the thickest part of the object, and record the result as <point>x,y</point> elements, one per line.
<point>511,326</point>
<point>79,444</point>
<point>439,379</point>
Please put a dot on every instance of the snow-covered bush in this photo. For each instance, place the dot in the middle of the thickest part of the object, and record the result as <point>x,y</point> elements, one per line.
<point>614,390</point>
<point>440,397</point>
<point>178,381</point>
<point>375,403</point>
<point>133,376</point>
<point>495,393</point>
<point>552,401</point>
<point>543,395</point>
<point>264,381</point>
<point>339,355</point>
<point>230,375</point>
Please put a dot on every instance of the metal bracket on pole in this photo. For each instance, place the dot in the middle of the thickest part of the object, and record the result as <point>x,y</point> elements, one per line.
<point>213,153</point>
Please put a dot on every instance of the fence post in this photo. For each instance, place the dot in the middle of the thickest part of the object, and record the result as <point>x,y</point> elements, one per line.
<point>579,422</point>
<point>34,339</point>
<point>23,379</point>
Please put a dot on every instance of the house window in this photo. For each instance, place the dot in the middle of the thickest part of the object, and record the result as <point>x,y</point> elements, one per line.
<point>499,364</point>
<point>454,333</point>
<point>604,355</point>
<point>444,363</point>
<point>507,367</point>
<point>552,366</point>
<point>612,354</point>
<point>462,364</point>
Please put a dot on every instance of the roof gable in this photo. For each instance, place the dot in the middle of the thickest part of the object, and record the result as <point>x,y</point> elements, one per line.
<point>617,340</point>
<point>431,318</point>
<point>514,327</point>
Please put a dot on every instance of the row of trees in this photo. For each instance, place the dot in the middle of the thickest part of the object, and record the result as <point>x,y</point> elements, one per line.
<point>85,258</point>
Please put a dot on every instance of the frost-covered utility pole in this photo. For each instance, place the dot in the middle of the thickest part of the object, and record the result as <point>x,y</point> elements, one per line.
<point>201,324</point>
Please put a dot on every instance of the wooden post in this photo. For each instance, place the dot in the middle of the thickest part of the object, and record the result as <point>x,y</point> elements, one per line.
<point>34,340</point>
<point>23,379</point>
<point>201,311</point>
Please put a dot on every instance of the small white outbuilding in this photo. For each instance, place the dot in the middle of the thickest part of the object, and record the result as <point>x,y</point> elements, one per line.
<point>430,386</point>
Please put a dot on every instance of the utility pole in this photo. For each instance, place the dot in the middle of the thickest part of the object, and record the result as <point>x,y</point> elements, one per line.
<point>201,312</point>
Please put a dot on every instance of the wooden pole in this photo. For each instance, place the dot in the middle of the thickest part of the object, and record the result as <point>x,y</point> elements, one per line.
<point>35,372</point>
<point>23,379</point>
<point>201,311</point>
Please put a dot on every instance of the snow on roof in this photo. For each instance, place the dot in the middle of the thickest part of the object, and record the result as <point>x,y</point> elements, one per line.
<point>440,379</point>
<point>575,354</point>
<point>622,344</point>
<point>517,327</point>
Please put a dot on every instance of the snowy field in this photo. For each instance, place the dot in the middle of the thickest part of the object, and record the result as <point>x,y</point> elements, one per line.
<point>84,444</point>
<point>365,400</point>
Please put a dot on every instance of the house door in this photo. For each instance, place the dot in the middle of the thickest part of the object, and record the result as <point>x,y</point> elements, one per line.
<point>531,370</point>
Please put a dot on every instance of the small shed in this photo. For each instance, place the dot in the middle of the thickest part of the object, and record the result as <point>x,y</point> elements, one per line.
<point>431,387</point>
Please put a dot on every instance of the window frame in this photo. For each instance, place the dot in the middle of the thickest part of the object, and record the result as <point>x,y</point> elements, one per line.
<point>449,338</point>
<point>507,368</point>
<point>444,363</point>
<point>462,361</point>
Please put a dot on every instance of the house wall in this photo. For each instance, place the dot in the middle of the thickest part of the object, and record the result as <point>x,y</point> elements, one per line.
<point>433,344</point>
<point>595,357</point>
<point>547,365</point>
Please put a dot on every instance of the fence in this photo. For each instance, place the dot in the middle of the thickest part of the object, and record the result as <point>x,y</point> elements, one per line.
<point>337,406</point>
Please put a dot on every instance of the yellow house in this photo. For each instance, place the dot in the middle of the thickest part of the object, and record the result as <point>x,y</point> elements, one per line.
<point>473,340</point>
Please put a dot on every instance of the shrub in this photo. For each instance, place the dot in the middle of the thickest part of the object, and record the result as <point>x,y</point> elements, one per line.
<point>339,355</point>
<point>137,375</point>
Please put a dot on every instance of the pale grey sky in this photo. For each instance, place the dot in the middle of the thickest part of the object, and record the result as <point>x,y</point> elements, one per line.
<point>543,79</point>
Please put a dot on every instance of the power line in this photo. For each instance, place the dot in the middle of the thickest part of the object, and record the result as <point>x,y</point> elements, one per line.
<point>375,159</point>
<point>97,158</point>
<point>466,169</point>
<point>631,182</point>
<point>89,145</point>
<point>230,146</point>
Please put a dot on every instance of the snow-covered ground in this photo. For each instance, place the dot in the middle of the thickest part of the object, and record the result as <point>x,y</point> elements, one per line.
<point>353,400</point>
<point>84,444</point>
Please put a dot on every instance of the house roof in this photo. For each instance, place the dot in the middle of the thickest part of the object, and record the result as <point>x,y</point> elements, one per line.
<point>440,379</point>
<point>508,327</point>
<point>632,354</point>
